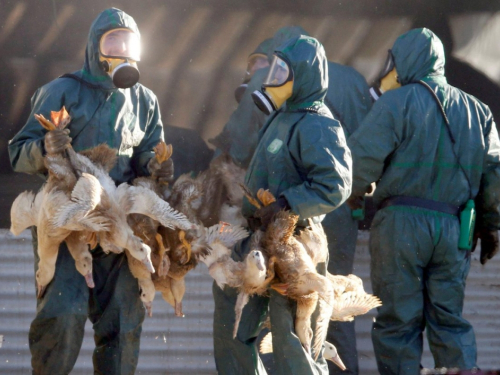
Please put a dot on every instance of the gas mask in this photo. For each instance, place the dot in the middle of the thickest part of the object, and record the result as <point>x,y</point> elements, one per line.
<point>119,51</point>
<point>387,78</point>
<point>255,61</point>
<point>276,88</point>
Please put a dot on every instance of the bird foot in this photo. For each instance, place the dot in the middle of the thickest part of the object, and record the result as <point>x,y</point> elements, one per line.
<point>281,288</point>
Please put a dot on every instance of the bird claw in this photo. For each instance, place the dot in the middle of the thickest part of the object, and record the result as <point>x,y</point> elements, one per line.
<point>281,288</point>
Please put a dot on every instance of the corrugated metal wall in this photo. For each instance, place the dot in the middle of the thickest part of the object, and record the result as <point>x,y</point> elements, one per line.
<point>172,345</point>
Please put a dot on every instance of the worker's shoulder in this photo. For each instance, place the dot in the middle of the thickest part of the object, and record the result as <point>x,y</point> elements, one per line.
<point>313,121</point>
<point>145,91</point>
<point>459,95</point>
<point>59,85</point>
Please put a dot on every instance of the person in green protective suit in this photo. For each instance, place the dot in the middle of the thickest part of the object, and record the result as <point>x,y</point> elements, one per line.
<point>303,160</point>
<point>427,167</point>
<point>128,120</point>
<point>239,137</point>
<point>348,99</point>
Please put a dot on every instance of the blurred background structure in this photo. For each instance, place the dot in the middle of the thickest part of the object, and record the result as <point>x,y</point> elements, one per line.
<point>194,56</point>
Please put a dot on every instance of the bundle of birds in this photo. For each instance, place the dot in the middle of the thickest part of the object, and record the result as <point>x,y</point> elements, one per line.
<point>63,187</point>
<point>299,279</point>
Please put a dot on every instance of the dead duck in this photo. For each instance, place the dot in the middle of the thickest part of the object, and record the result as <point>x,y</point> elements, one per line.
<point>299,279</point>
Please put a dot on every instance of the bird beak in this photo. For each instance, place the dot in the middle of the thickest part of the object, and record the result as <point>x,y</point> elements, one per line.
<point>149,308</point>
<point>338,362</point>
<point>149,265</point>
<point>41,291</point>
<point>260,266</point>
<point>89,280</point>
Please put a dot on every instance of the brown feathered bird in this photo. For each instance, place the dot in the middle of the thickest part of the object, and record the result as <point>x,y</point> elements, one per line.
<point>299,279</point>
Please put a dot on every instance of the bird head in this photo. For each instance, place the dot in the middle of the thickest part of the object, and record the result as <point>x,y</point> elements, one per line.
<point>256,259</point>
<point>147,295</point>
<point>140,251</point>
<point>83,265</point>
<point>331,354</point>
<point>44,276</point>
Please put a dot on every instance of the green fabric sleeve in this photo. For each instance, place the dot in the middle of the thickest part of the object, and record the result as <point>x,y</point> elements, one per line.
<point>488,199</point>
<point>154,133</point>
<point>321,155</point>
<point>26,149</point>
<point>369,155</point>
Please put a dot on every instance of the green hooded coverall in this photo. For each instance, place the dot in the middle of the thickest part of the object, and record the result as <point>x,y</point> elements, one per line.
<point>348,99</point>
<point>417,269</point>
<point>129,121</point>
<point>302,156</point>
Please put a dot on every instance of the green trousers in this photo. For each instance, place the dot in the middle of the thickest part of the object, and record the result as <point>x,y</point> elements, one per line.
<point>419,274</point>
<point>113,306</point>
<point>240,356</point>
<point>342,232</point>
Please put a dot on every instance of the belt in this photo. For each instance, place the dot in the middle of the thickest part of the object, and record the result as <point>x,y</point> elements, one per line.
<point>422,203</point>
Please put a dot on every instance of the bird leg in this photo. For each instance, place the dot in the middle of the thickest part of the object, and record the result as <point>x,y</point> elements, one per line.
<point>270,271</point>
<point>164,264</point>
<point>281,288</point>
<point>187,245</point>
<point>248,194</point>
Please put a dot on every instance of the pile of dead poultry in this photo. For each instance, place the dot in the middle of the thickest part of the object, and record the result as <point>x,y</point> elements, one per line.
<point>166,231</point>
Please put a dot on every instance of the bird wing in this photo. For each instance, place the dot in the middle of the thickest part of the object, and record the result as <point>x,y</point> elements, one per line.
<point>225,233</point>
<point>350,304</point>
<point>85,196</point>
<point>226,271</point>
<point>24,211</point>
<point>140,200</point>
<point>266,344</point>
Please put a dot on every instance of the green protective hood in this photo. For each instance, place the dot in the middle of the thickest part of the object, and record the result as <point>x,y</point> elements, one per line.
<point>307,60</point>
<point>419,55</point>
<point>109,19</point>
<point>284,34</point>
<point>264,48</point>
